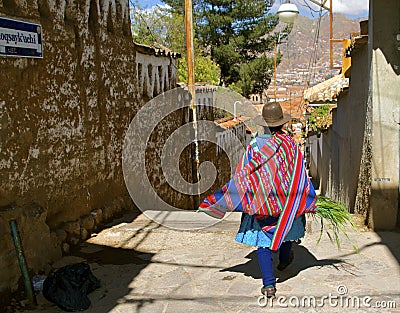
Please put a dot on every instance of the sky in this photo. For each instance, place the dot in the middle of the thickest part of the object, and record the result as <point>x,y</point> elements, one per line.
<point>351,8</point>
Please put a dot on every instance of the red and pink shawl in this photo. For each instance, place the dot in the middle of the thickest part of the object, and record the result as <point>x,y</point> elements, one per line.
<point>270,181</point>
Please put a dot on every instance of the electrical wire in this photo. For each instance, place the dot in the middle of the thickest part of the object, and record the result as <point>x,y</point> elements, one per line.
<point>313,57</point>
<point>137,11</point>
<point>312,10</point>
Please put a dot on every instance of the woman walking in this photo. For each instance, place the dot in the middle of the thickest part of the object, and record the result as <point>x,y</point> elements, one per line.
<point>272,190</point>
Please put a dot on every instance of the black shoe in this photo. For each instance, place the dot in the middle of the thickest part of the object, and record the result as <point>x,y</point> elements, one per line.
<point>282,266</point>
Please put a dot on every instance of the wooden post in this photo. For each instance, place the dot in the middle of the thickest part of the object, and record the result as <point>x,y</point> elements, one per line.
<point>330,34</point>
<point>275,70</point>
<point>189,41</point>
<point>191,88</point>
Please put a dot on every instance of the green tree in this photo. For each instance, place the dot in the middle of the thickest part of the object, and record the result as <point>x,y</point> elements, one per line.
<point>158,25</point>
<point>321,118</point>
<point>255,75</point>
<point>239,35</point>
<point>166,27</point>
<point>205,70</point>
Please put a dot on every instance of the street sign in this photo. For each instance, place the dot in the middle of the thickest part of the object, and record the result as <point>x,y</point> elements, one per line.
<point>20,38</point>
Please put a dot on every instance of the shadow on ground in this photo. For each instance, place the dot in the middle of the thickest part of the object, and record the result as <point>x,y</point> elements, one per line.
<point>303,260</point>
<point>115,267</point>
<point>391,240</point>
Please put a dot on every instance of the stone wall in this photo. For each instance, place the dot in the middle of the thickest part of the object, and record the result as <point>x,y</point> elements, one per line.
<point>62,123</point>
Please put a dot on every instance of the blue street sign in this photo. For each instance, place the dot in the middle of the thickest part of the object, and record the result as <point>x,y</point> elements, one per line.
<point>20,38</point>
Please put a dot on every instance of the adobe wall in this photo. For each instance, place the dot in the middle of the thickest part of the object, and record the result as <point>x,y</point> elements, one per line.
<point>62,122</point>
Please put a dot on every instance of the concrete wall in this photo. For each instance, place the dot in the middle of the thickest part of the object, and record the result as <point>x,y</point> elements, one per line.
<point>384,27</point>
<point>225,142</point>
<point>336,156</point>
<point>313,157</point>
<point>341,151</point>
<point>64,116</point>
<point>360,152</point>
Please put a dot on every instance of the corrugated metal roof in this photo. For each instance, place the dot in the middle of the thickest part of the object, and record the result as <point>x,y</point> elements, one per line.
<point>328,90</point>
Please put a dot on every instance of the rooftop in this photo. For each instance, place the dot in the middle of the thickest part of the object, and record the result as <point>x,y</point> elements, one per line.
<point>157,50</point>
<point>231,122</point>
<point>326,91</point>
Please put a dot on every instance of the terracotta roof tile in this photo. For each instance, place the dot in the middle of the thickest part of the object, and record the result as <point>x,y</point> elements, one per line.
<point>230,122</point>
<point>326,91</point>
<point>157,50</point>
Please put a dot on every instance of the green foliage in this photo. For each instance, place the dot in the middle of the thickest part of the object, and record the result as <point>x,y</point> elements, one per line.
<point>321,118</point>
<point>255,75</point>
<point>334,220</point>
<point>238,34</point>
<point>165,26</point>
<point>158,25</point>
<point>328,76</point>
<point>205,70</point>
<point>220,113</point>
<point>235,87</point>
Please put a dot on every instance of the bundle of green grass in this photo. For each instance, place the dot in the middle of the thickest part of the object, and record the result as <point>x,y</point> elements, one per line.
<point>335,220</point>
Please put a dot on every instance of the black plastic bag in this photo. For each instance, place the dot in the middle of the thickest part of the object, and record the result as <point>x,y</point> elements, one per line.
<point>68,286</point>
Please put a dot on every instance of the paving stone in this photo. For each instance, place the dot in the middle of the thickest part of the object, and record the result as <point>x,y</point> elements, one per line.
<point>156,269</point>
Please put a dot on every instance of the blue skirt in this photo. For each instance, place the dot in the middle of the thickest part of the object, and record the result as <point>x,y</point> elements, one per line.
<point>251,233</point>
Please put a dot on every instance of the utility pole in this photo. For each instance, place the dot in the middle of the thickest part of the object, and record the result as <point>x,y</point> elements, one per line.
<point>275,70</point>
<point>330,34</point>
<point>189,41</point>
<point>192,92</point>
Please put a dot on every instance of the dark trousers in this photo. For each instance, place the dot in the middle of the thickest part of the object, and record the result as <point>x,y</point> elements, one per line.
<point>265,261</point>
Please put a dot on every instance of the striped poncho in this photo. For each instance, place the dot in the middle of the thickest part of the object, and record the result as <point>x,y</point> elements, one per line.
<point>268,181</point>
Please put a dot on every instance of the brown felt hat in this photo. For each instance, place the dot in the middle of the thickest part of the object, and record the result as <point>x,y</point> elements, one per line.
<point>272,115</point>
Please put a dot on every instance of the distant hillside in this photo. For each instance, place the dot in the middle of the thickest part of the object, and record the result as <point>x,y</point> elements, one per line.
<point>298,49</point>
